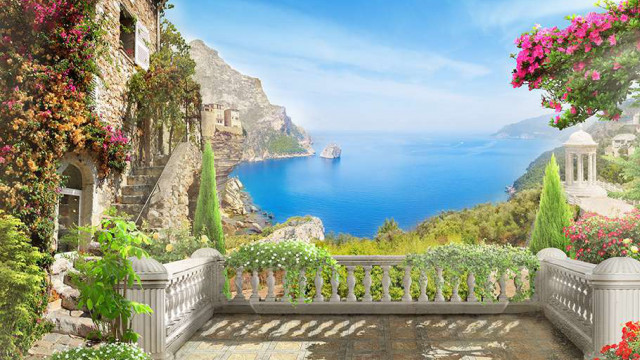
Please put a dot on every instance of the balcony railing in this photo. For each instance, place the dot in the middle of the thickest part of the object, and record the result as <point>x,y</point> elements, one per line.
<point>588,303</point>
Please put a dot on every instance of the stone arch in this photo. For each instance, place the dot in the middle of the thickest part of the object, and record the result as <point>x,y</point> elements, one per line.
<point>76,205</point>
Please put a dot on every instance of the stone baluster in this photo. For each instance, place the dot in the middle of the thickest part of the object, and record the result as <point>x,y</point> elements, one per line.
<point>182,295</point>
<point>334,286</point>
<point>520,283</point>
<point>351,283</point>
<point>255,283</point>
<point>271,283</point>
<point>367,284</point>
<point>455,297</point>
<point>169,304</point>
<point>386,282</point>
<point>502,281</point>
<point>406,283</point>
<point>439,285</point>
<point>302,286</point>
<point>318,282</point>
<point>471,285</point>
<point>424,281</point>
<point>238,282</point>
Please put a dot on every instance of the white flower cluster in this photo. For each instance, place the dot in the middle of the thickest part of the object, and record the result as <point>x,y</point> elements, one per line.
<point>113,351</point>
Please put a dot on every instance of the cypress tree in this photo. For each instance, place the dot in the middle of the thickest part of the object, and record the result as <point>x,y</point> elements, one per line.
<point>207,219</point>
<point>554,214</point>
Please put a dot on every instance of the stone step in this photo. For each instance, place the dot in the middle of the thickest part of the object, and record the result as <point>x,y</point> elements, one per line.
<point>136,189</point>
<point>133,199</point>
<point>141,179</point>
<point>130,209</point>
<point>150,170</point>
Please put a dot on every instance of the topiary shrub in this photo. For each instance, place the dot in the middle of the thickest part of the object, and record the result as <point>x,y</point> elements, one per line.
<point>115,351</point>
<point>23,293</point>
<point>554,214</point>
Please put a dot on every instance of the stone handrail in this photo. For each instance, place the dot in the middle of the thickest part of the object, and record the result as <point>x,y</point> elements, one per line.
<point>316,302</point>
<point>588,303</point>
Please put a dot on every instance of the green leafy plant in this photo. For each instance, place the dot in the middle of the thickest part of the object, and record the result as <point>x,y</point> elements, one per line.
<point>23,293</point>
<point>554,213</point>
<point>292,256</point>
<point>458,260</point>
<point>115,351</point>
<point>175,244</point>
<point>103,281</point>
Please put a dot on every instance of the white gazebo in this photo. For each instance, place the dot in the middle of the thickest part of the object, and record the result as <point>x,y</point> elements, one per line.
<point>580,152</point>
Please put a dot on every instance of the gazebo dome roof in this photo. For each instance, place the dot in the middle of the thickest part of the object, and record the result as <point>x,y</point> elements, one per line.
<point>580,138</point>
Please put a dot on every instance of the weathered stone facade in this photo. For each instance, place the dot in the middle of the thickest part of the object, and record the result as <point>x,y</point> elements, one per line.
<point>169,203</point>
<point>116,67</point>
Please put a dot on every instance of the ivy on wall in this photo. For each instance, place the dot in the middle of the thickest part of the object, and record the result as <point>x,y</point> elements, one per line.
<point>47,61</point>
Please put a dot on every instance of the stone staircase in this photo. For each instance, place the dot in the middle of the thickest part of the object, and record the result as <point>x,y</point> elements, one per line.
<point>140,183</point>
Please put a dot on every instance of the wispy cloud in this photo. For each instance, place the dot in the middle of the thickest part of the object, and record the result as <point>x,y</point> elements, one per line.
<point>503,13</point>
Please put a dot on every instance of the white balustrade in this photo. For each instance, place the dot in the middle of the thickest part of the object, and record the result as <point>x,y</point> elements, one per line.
<point>588,303</point>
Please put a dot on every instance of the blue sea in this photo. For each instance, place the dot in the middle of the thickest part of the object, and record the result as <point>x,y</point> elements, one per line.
<point>379,176</point>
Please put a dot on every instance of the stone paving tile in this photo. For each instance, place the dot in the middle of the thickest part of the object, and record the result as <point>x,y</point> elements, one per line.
<point>256,337</point>
<point>51,343</point>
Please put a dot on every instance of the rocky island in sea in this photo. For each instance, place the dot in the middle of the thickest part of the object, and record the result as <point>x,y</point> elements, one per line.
<point>332,151</point>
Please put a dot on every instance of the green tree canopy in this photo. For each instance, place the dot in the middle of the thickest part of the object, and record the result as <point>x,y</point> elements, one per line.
<point>554,214</point>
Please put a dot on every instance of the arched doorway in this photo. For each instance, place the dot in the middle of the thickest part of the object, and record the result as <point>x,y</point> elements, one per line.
<point>70,207</point>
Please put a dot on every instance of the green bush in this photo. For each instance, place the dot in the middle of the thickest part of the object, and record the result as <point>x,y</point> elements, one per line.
<point>114,351</point>
<point>174,244</point>
<point>292,256</point>
<point>554,213</point>
<point>23,293</point>
<point>103,281</point>
<point>458,260</point>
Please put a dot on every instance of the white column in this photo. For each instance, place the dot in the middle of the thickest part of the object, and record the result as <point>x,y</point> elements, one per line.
<point>590,168</point>
<point>595,170</point>
<point>568,166</point>
<point>580,169</point>
<point>616,295</point>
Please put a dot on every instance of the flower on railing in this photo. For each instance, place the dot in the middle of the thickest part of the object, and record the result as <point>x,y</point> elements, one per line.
<point>595,238</point>
<point>483,261</point>
<point>292,256</point>
<point>627,348</point>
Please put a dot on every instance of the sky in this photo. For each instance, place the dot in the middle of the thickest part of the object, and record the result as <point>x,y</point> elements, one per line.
<point>373,65</point>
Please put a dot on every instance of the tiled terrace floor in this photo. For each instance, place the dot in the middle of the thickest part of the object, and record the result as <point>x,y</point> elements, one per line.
<point>260,337</point>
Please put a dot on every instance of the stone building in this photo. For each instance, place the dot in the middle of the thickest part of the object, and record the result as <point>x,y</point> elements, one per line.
<point>217,119</point>
<point>131,36</point>
<point>621,144</point>
<point>232,118</point>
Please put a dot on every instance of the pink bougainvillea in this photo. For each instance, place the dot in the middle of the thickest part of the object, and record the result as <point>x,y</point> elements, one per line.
<point>587,57</point>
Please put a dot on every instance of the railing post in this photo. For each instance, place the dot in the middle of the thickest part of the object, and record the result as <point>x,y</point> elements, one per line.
<point>543,276</point>
<point>154,280</point>
<point>216,274</point>
<point>616,295</point>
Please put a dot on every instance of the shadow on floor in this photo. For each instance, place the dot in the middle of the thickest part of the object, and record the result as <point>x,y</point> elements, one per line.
<point>271,337</point>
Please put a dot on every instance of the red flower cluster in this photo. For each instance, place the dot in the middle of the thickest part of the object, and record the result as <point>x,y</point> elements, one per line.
<point>628,348</point>
<point>595,238</point>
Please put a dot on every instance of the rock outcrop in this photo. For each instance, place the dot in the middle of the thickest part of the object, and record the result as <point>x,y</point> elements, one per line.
<point>305,229</point>
<point>332,151</point>
<point>234,199</point>
<point>270,132</point>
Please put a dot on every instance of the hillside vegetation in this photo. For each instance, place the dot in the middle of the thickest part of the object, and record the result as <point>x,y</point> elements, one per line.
<point>507,222</point>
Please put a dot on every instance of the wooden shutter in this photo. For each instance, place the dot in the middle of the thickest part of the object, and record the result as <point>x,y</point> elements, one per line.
<point>142,46</point>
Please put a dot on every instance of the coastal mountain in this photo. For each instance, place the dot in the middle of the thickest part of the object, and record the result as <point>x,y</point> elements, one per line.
<point>270,133</point>
<point>535,128</point>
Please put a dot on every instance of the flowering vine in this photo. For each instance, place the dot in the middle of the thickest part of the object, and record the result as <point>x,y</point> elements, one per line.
<point>588,68</point>
<point>47,61</point>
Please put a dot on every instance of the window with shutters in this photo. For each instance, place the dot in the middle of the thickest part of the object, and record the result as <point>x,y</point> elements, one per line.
<point>127,33</point>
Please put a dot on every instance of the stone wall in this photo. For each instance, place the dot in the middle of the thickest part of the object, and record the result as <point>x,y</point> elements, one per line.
<point>115,66</point>
<point>169,204</point>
